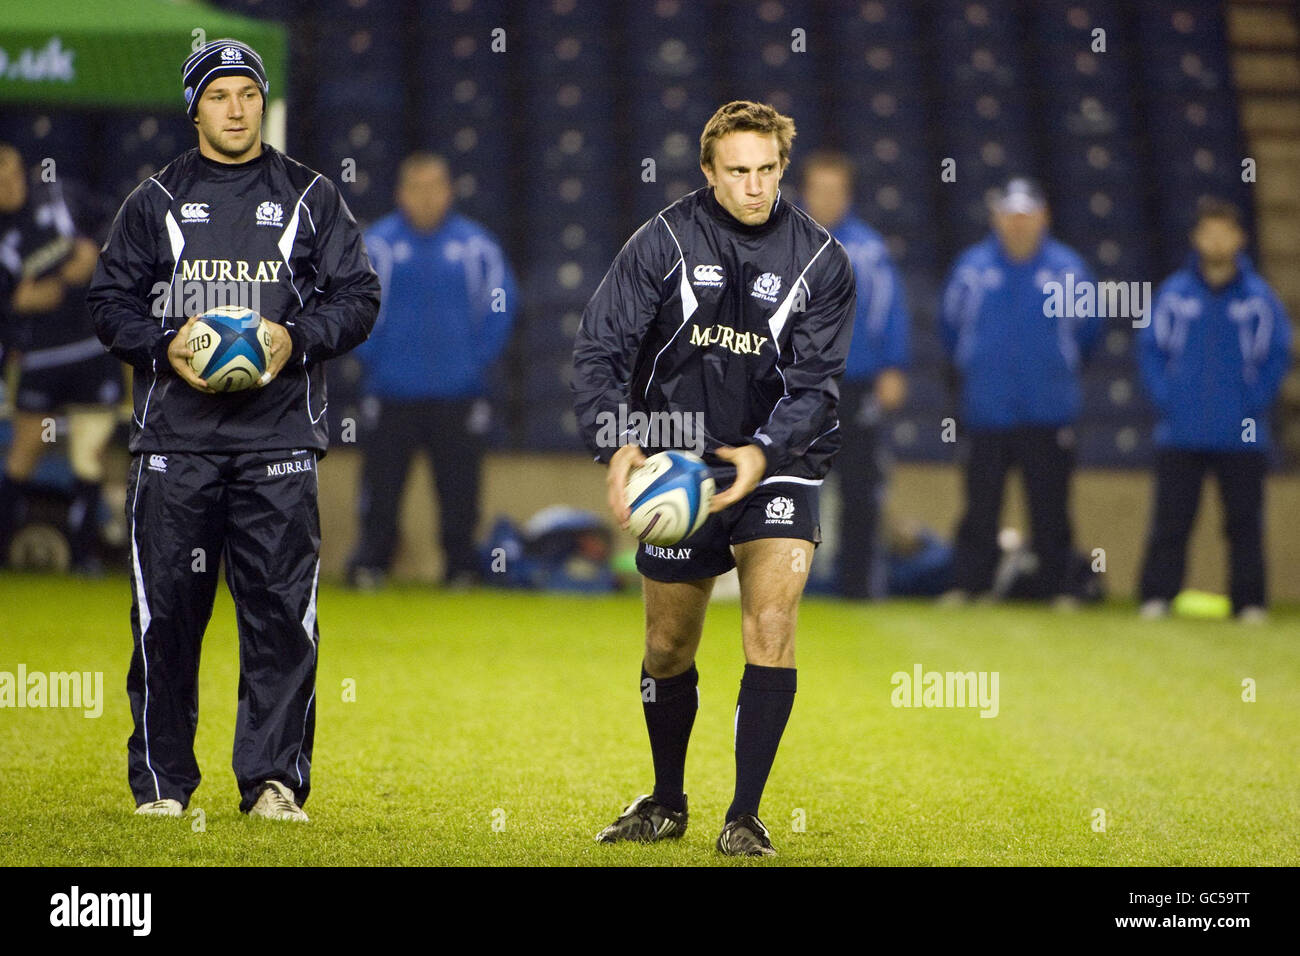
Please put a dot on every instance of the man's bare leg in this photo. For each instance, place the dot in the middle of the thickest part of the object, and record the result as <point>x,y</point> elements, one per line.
<point>773,572</point>
<point>24,453</point>
<point>674,621</point>
<point>90,428</point>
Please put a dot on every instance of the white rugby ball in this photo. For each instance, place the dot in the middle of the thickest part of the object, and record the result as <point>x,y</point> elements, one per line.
<point>669,497</point>
<point>232,348</point>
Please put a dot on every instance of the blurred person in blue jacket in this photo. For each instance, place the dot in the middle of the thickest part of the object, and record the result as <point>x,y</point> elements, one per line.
<point>448,304</point>
<point>1019,370</point>
<point>1212,360</point>
<point>874,382</point>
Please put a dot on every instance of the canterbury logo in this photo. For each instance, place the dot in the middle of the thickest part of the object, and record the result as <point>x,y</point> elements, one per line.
<point>194,212</point>
<point>158,463</point>
<point>708,275</point>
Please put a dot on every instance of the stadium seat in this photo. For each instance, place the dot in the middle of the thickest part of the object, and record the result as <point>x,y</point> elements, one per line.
<point>1101,445</point>
<point>361,153</point>
<point>41,134</point>
<point>553,427</point>
<point>270,9</point>
<point>144,142</point>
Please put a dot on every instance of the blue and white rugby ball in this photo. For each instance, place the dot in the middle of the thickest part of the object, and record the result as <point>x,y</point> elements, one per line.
<point>669,497</point>
<point>232,348</point>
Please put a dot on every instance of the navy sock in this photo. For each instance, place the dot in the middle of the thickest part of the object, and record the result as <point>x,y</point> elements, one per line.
<point>766,697</point>
<point>12,498</point>
<point>670,704</point>
<point>83,521</point>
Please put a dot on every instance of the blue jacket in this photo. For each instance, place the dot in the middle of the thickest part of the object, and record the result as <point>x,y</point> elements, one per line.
<point>1212,358</point>
<point>1018,365</point>
<point>880,327</point>
<point>448,303</point>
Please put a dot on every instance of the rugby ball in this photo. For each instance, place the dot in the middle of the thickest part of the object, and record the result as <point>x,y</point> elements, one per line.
<point>669,497</point>
<point>232,348</point>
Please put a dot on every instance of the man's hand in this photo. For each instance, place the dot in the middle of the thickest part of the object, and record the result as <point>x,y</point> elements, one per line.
<point>891,389</point>
<point>750,464</point>
<point>281,346</point>
<point>38,295</point>
<point>620,466</point>
<point>80,266</point>
<point>179,354</point>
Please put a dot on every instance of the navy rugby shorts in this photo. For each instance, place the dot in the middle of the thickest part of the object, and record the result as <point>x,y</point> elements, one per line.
<point>778,508</point>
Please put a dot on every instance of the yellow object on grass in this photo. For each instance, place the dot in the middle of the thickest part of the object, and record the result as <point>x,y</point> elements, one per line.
<point>1202,604</point>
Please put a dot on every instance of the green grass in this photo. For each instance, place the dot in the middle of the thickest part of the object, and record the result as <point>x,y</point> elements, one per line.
<point>525,710</point>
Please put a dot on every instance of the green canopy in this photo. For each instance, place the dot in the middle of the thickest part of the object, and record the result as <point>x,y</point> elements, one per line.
<point>119,53</point>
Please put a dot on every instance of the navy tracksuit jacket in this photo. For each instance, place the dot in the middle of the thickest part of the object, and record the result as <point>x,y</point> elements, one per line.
<point>228,475</point>
<point>747,326</point>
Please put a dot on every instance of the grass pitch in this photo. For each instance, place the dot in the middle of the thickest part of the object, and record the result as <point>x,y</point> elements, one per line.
<point>492,728</point>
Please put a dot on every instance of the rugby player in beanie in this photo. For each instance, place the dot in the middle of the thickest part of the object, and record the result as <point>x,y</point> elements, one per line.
<point>221,58</point>
<point>228,475</point>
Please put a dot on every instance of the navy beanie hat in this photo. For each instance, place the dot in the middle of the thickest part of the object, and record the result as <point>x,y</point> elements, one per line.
<point>216,59</point>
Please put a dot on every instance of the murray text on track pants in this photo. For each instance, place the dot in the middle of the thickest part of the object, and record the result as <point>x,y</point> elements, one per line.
<point>258,511</point>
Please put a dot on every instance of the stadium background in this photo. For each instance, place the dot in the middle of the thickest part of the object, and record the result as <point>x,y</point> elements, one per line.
<point>548,141</point>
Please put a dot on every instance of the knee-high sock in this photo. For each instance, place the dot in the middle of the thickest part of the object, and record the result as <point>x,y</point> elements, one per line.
<point>83,521</point>
<point>766,697</point>
<point>670,704</point>
<point>13,495</point>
